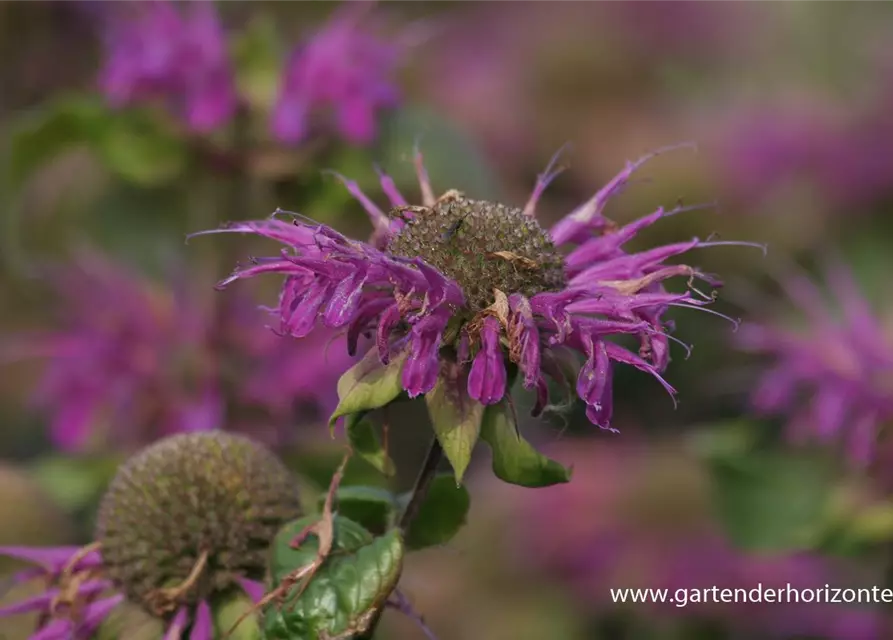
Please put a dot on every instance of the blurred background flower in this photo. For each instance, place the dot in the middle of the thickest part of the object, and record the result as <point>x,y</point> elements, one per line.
<point>126,126</point>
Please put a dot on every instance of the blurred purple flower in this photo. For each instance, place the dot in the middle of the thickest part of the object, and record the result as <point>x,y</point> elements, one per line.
<point>832,375</point>
<point>346,67</point>
<point>78,599</point>
<point>656,532</point>
<point>135,361</point>
<point>846,160</point>
<point>177,53</point>
<point>388,288</point>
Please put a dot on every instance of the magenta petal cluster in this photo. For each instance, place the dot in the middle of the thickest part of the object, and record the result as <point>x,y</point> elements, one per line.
<point>832,375</point>
<point>346,67</point>
<point>175,53</point>
<point>78,599</point>
<point>408,306</point>
<point>132,360</point>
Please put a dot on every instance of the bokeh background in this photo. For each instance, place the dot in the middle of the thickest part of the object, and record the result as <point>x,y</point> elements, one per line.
<point>113,334</point>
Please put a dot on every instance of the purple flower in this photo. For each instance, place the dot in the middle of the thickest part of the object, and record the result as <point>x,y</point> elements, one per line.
<point>484,282</point>
<point>133,361</point>
<point>345,67</point>
<point>832,375</point>
<point>184,525</point>
<point>765,148</point>
<point>156,50</point>
<point>657,532</point>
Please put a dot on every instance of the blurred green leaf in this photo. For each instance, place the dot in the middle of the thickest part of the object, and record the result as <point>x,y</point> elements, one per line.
<point>721,440</point>
<point>75,482</point>
<point>45,133</point>
<point>441,515</point>
<point>365,442</point>
<point>135,144</point>
<point>455,416</point>
<point>257,54</point>
<point>771,500</point>
<point>231,610</point>
<point>514,459</point>
<point>368,385</point>
<point>452,158</point>
<point>347,591</point>
<point>130,621</point>
<point>371,507</point>
<point>138,147</point>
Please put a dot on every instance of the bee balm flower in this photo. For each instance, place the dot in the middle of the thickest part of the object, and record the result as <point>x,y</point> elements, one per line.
<point>347,67</point>
<point>185,524</point>
<point>832,376</point>
<point>482,289</point>
<point>157,50</point>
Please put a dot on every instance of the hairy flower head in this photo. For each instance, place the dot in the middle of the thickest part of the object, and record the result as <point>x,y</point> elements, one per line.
<point>483,281</point>
<point>184,526</point>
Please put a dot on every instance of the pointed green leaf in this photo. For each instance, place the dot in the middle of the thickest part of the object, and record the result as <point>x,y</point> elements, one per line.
<point>372,507</point>
<point>514,459</point>
<point>368,385</point>
<point>348,590</point>
<point>441,515</point>
<point>364,442</point>
<point>455,416</point>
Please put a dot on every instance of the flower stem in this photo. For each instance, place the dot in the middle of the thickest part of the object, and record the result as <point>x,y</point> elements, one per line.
<point>422,485</point>
<point>419,493</point>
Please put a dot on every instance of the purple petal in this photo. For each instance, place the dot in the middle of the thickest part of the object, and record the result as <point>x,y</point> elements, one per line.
<point>51,558</point>
<point>203,626</point>
<point>593,377</point>
<point>178,625</point>
<point>254,589</point>
<point>300,319</point>
<point>524,340</point>
<point>589,216</point>
<point>344,301</point>
<point>423,365</point>
<point>542,183</point>
<point>389,320</point>
<point>487,378</point>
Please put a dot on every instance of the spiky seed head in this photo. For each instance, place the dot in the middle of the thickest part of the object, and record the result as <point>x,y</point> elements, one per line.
<point>212,492</point>
<point>483,246</point>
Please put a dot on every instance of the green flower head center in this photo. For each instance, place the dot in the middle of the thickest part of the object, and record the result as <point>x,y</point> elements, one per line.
<point>482,246</point>
<point>188,516</point>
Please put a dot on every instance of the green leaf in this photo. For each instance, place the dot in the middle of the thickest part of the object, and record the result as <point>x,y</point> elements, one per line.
<point>44,134</point>
<point>368,385</point>
<point>136,144</point>
<point>347,591</point>
<point>232,610</point>
<point>75,482</point>
<point>441,515</point>
<point>139,147</point>
<point>257,55</point>
<point>455,416</point>
<point>514,459</point>
<point>771,500</point>
<point>372,507</point>
<point>365,442</point>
